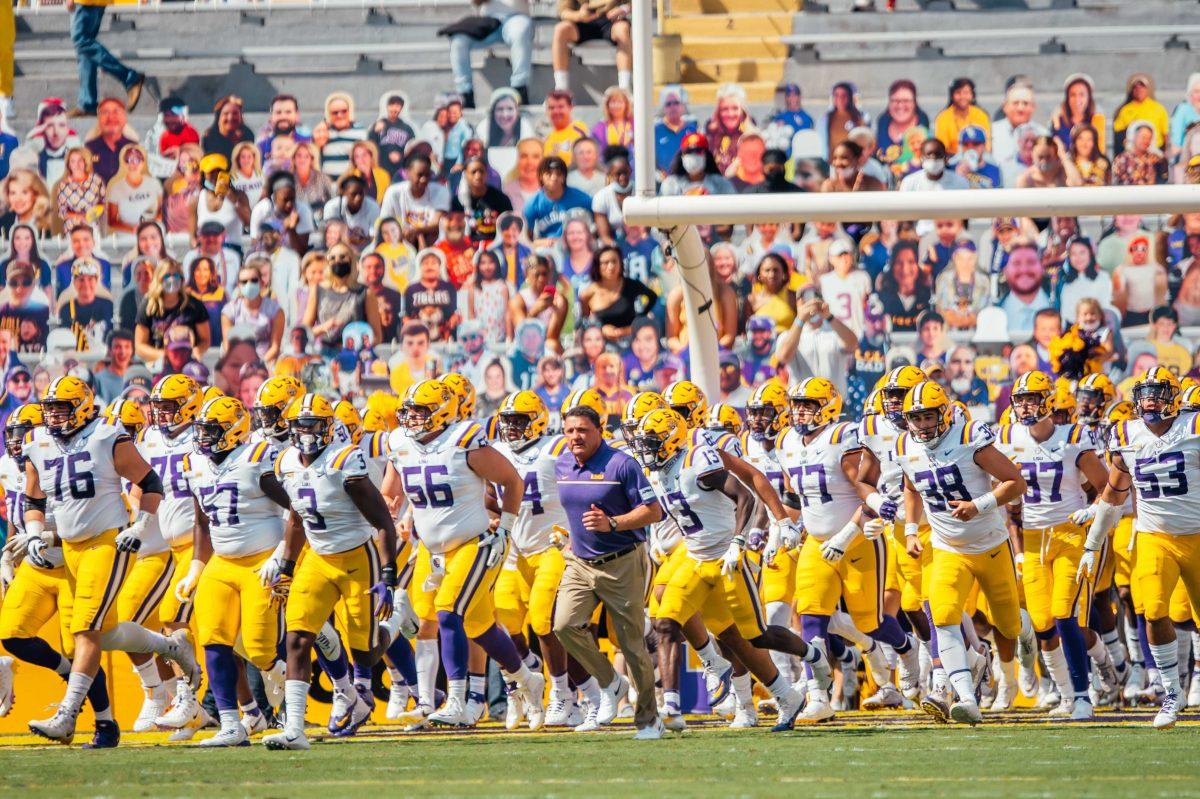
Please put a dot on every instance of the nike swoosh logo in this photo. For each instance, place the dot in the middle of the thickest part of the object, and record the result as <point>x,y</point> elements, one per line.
<point>855,560</point>
<point>994,554</point>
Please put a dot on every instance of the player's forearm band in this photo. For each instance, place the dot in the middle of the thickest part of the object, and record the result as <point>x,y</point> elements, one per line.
<point>508,520</point>
<point>287,567</point>
<point>740,541</point>
<point>986,503</point>
<point>874,501</point>
<point>151,483</point>
<point>1106,518</point>
<point>36,503</point>
<point>912,528</point>
<point>389,576</point>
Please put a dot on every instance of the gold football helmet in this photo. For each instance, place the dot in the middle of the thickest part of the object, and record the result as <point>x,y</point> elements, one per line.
<point>522,418</point>
<point>660,436</point>
<point>638,406</point>
<point>1092,395</point>
<point>429,407</point>
<point>588,398</point>
<point>68,404</point>
<point>1190,401</point>
<point>20,423</point>
<point>1039,387</point>
<point>814,402</point>
<point>723,417</point>
<point>895,387</point>
<point>345,412</point>
<point>1156,395</point>
<point>222,425</point>
<point>310,423</point>
<point>273,398</point>
<point>926,427</point>
<point>767,411</point>
<point>175,401</point>
<point>465,392</point>
<point>128,413</point>
<point>873,404</point>
<point>687,400</point>
<point>1062,403</point>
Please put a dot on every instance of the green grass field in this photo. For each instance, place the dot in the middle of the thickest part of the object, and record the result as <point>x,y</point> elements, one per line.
<point>861,757</point>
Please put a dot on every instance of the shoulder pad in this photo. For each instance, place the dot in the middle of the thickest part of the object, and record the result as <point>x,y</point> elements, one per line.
<point>343,457</point>
<point>259,451</point>
<point>558,446</point>
<point>470,436</point>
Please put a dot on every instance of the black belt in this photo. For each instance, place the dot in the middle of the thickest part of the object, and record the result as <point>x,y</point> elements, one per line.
<point>620,553</point>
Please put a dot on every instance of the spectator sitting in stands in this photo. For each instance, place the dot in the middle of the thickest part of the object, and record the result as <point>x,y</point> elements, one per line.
<point>1139,284</point>
<point>141,271</point>
<point>79,191</point>
<point>529,343</point>
<point>842,116</point>
<point>1052,166</point>
<point>1173,350</point>
<point>211,244</point>
<point>893,126</point>
<point>817,344</point>
<point>109,137</point>
<point>846,285</point>
<point>246,174</point>
<point>772,295</point>
<point>746,171</point>
<point>249,309</point>
<point>564,129</point>
<point>904,288</point>
<point>1023,274</point>
<point>541,298</point>
<point>28,203</point>
<point>548,209</point>
<point>730,120</point>
<point>960,113</point>
<point>973,161</point>
<point>353,207</point>
<point>24,308</point>
<point>23,246</point>
<point>336,133</point>
<point>447,132</point>
<point>47,143</point>
<point>88,315</point>
<point>479,202</point>
<point>1080,278</point>
<point>965,386</point>
<point>337,301</point>
<point>205,284</point>
<point>612,299</point>
<point>790,117</point>
<point>937,248</point>
<point>931,337</point>
<point>933,175</point>
<point>521,182</point>
<point>616,128</point>
<point>1078,108</point>
<point>962,291</point>
<point>586,173</point>
<point>694,170</point>
<point>313,188</point>
<point>457,248</point>
<point>1019,108</point>
<point>109,379</point>
<point>592,20</point>
<point>775,175</point>
<point>1047,325</point>
<point>391,132</point>
<point>432,300</point>
<point>1182,117</point>
<point>219,201</point>
<point>228,128</point>
<point>1114,241</point>
<point>176,129</point>
<point>515,29</point>
<point>845,172</point>
<point>504,124</point>
<point>1141,163</point>
<point>607,202</point>
<point>1093,167</point>
<point>1026,136</point>
<point>672,126</point>
<point>1140,105</point>
<point>168,305</point>
<point>132,196</point>
<point>364,160</point>
<point>418,202</point>
<point>283,122</point>
<point>83,245</point>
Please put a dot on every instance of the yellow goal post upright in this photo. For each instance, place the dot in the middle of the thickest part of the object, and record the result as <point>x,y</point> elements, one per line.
<point>677,217</point>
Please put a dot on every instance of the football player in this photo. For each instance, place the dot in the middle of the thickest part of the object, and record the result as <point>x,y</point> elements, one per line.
<point>442,468</point>
<point>237,499</point>
<point>1054,459</point>
<point>949,465</point>
<point>1155,454</point>
<point>705,491</point>
<point>274,397</point>
<point>339,510</point>
<point>36,588</point>
<point>688,400</point>
<point>74,467</point>
<point>724,418</point>
<point>538,536</point>
<point>836,563</point>
<point>164,443</point>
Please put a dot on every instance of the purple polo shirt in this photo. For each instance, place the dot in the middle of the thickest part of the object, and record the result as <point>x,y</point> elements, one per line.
<point>615,483</point>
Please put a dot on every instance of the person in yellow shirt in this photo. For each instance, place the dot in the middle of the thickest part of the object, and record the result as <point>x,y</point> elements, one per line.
<point>1140,104</point>
<point>414,362</point>
<point>86,18</point>
<point>566,130</point>
<point>960,112</point>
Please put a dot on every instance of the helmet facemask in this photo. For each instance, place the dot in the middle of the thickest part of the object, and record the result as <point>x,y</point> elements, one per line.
<point>649,450</point>
<point>209,437</point>
<point>268,419</point>
<point>760,419</point>
<point>310,434</point>
<point>14,441</point>
<point>416,419</point>
<point>514,428</point>
<point>60,418</point>
<point>893,405</point>
<point>927,425</point>
<point>164,414</point>
<point>1153,401</point>
<point>1089,404</point>
<point>805,413</point>
<point>1030,408</point>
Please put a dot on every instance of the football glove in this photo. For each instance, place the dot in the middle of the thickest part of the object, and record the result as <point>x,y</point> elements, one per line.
<point>383,592</point>
<point>1087,565</point>
<point>756,539</point>
<point>185,587</point>
<point>268,573</point>
<point>833,548</point>
<point>874,528</point>
<point>731,562</point>
<point>402,607</point>
<point>791,534</point>
<point>495,542</point>
<point>7,572</point>
<point>559,538</point>
<point>36,554</point>
<point>130,539</point>
<point>1019,562</point>
<point>1083,516</point>
<point>279,589</point>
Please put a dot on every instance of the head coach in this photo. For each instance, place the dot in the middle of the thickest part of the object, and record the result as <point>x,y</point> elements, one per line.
<point>608,503</point>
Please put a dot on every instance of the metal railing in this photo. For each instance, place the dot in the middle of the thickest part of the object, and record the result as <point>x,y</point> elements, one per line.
<point>539,7</point>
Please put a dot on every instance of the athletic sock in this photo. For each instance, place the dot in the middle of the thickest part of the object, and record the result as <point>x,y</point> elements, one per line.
<point>148,674</point>
<point>77,688</point>
<point>708,653</point>
<point>1098,652</point>
<point>130,637</point>
<point>590,688</point>
<point>954,659</point>
<point>561,685</point>
<point>295,700</point>
<point>1166,658</point>
<point>531,660</point>
<point>1075,650</point>
<point>38,652</point>
<point>456,688</point>
<point>229,719</point>
<point>328,642</point>
<point>671,699</point>
<point>779,687</point>
<point>477,686</point>
<point>1133,644</point>
<point>743,689</point>
<point>1112,642</point>
<point>427,669</point>
<point>400,658</point>
<point>1060,671</point>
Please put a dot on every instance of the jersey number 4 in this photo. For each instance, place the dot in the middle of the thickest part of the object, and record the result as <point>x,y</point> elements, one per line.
<point>72,477</point>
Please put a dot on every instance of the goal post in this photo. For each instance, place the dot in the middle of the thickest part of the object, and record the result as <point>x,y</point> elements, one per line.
<point>678,216</point>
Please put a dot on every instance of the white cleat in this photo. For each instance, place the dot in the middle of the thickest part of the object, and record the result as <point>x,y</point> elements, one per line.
<point>227,736</point>
<point>187,732</point>
<point>888,696</point>
<point>610,698</point>
<point>1027,651</point>
<point>769,707</point>
<point>1049,698</point>
<point>6,685</point>
<point>718,678</point>
<point>816,710</point>
<point>1063,709</point>
<point>286,740</point>
<point>908,670</point>
<point>937,706</point>
<point>651,733</point>
<point>418,716</point>
<point>790,703</point>
<point>1167,715</point>
<point>591,719</point>
<point>1082,709</point>
<point>1152,694</point>
<point>673,719</point>
<point>561,711</point>
<point>184,656</point>
<point>398,696</point>
<point>849,694</point>
<point>452,714</point>
<point>1193,696</point>
<point>965,713</point>
<point>254,722</point>
<point>822,674</point>
<point>530,694</point>
<point>153,705</point>
<point>515,713</point>
<point>475,709</point>
<point>727,709</point>
<point>341,709</point>
<point>59,727</point>
<point>1006,694</point>
<point>1027,680</point>
<point>273,681</point>
<point>744,718</point>
<point>184,709</point>
<point>1135,683</point>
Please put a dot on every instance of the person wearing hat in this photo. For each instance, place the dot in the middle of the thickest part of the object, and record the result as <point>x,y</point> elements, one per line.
<point>848,284</point>
<point>1140,104</point>
<point>973,161</point>
<point>694,170</point>
<point>24,311</point>
<point>212,245</point>
<point>176,130</point>
<point>18,390</point>
<point>87,313</point>
<point>672,125</point>
<point>757,350</point>
<point>218,201</point>
<point>734,390</point>
<point>789,110</point>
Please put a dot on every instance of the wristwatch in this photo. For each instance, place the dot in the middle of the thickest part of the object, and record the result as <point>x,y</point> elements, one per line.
<point>612,524</point>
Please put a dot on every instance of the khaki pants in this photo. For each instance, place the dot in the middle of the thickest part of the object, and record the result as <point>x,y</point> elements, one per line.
<point>621,585</point>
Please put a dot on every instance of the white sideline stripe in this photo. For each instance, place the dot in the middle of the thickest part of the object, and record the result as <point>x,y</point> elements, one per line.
<point>1031,34</point>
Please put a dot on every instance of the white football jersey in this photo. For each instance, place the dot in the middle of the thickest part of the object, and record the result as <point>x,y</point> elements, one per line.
<point>152,541</point>
<point>706,518</point>
<point>275,446</point>
<point>242,520</point>
<point>1161,469</point>
<point>1054,483</point>
<point>717,439</point>
<point>446,496</point>
<point>879,435</point>
<point>80,480</point>
<point>176,515</point>
<point>541,510</point>
<point>332,522</point>
<point>947,472</point>
<point>374,448</point>
<point>1102,434</point>
<point>12,480</point>
<point>814,471</point>
<point>755,453</point>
